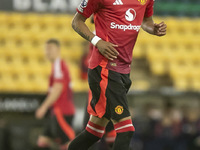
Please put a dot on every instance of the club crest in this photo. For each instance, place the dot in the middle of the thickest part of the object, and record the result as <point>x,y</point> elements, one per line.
<point>142,2</point>
<point>119,109</point>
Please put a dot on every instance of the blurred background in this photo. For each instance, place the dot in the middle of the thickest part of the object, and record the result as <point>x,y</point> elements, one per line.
<point>165,95</point>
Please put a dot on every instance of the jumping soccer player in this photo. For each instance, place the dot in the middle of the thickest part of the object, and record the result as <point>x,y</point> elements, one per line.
<point>117,25</point>
<point>58,131</point>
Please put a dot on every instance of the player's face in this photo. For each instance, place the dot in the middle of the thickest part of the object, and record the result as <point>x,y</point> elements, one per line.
<point>51,51</point>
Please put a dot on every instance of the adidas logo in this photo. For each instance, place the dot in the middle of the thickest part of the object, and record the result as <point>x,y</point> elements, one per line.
<point>118,2</point>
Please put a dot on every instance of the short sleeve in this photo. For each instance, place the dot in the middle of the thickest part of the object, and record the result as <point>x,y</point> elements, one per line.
<point>88,7</point>
<point>149,9</point>
<point>58,73</point>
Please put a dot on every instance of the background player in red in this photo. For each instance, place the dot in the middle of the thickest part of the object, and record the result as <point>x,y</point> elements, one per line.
<point>117,24</point>
<point>58,131</point>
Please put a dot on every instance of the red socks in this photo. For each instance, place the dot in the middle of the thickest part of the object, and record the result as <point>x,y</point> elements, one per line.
<point>95,129</point>
<point>125,130</point>
<point>120,127</point>
<point>124,126</point>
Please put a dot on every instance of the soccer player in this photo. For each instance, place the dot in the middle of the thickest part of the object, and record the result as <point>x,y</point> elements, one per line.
<point>117,24</point>
<point>58,131</point>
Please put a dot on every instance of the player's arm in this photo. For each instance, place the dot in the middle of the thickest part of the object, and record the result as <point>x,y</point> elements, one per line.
<point>53,95</point>
<point>50,99</point>
<point>150,27</point>
<point>78,24</point>
<point>107,49</point>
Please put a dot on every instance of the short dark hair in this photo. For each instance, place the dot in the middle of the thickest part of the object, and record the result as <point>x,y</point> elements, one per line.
<point>53,41</point>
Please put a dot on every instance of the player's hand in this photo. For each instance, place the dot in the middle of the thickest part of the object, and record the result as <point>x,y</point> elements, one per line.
<point>40,112</point>
<point>107,49</point>
<point>160,29</point>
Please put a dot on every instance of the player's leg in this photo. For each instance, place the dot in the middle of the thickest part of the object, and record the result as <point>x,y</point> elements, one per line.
<point>97,79</point>
<point>93,132</point>
<point>124,129</point>
<point>118,86</point>
<point>64,131</point>
<point>62,128</point>
<point>44,141</point>
<point>86,114</point>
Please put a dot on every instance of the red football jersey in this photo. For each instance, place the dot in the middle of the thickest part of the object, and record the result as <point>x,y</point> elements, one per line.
<point>119,22</point>
<point>60,74</point>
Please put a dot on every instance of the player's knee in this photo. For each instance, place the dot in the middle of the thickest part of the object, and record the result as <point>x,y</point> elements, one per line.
<point>125,126</point>
<point>42,142</point>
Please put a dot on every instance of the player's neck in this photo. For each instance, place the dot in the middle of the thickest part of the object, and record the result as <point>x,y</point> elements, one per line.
<point>53,60</point>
